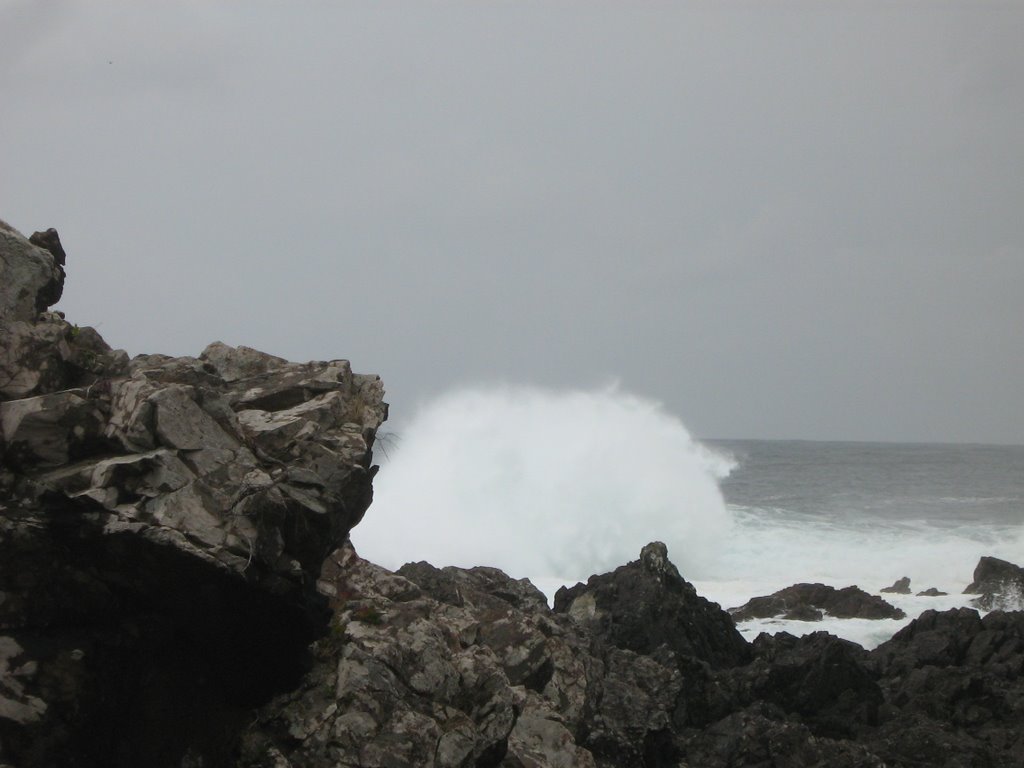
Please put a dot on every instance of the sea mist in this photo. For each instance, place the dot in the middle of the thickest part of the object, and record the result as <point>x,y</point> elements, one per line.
<point>550,485</point>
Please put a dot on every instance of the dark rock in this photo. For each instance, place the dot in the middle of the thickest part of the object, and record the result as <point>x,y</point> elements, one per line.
<point>821,678</point>
<point>50,240</point>
<point>806,602</point>
<point>931,592</point>
<point>646,604</point>
<point>954,688</point>
<point>51,293</point>
<point>760,735</point>
<point>999,583</point>
<point>917,740</point>
<point>901,587</point>
<point>932,639</point>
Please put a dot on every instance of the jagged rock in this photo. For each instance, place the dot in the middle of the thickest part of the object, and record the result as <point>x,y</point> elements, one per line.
<point>570,699</point>
<point>901,587</point>
<point>50,430</point>
<point>954,689</point>
<point>646,604</point>
<point>632,712</point>
<point>932,639</point>
<point>803,602</point>
<point>157,565</point>
<point>999,583</point>
<point>50,240</point>
<point>177,590</point>
<point>30,278</point>
<point>42,353</point>
<point>823,679</point>
<point>403,679</point>
<point>557,694</point>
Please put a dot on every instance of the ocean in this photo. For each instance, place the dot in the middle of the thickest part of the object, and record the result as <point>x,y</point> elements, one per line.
<point>866,514</point>
<point>555,485</point>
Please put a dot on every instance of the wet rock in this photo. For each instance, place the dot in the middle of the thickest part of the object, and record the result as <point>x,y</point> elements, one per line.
<point>954,690</point>
<point>822,678</point>
<point>999,583</point>
<point>931,592</point>
<point>809,601</point>
<point>901,587</point>
<point>646,604</point>
<point>932,639</point>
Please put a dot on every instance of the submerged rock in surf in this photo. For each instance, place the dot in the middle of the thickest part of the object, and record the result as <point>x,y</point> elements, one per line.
<point>999,584</point>
<point>810,602</point>
<point>901,587</point>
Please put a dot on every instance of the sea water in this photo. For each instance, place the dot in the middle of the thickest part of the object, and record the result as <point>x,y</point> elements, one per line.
<point>557,485</point>
<point>866,514</point>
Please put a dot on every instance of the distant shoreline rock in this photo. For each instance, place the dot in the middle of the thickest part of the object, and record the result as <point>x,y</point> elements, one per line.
<point>812,602</point>
<point>901,587</point>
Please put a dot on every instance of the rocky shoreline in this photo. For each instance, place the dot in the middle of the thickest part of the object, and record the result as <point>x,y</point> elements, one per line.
<point>177,589</point>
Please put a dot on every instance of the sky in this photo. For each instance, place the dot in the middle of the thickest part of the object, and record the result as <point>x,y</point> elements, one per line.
<point>782,220</point>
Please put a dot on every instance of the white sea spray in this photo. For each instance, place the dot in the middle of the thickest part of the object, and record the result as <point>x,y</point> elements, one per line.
<point>548,484</point>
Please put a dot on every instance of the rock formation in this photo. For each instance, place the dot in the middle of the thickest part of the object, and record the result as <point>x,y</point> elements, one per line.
<point>901,587</point>
<point>810,602</point>
<point>998,583</point>
<point>163,522</point>
<point>177,590</point>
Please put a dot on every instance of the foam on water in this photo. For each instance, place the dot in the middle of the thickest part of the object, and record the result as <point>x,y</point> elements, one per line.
<point>558,485</point>
<point>552,485</point>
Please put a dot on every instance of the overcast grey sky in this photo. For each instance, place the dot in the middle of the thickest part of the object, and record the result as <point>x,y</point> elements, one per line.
<point>783,220</point>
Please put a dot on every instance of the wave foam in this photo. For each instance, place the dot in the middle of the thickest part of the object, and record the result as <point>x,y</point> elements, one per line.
<point>546,484</point>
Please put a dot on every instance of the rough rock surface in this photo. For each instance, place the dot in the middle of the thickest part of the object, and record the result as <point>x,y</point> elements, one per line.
<point>177,591</point>
<point>468,667</point>
<point>1000,585</point>
<point>646,604</point>
<point>163,522</point>
<point>810,602</point>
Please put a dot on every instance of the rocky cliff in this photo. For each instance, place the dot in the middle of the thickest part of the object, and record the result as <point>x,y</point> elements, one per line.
<point>163,521</point>
<point>177,589</point>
